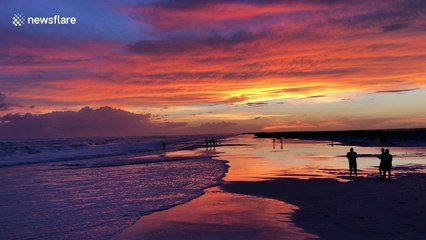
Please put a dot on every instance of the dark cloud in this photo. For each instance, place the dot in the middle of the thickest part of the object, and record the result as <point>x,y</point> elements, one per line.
<point>101,122</point>
<point>247,75</point>
<point>298,89</point>
<point>165,77</point>
<point>316,96</point>
<point>394,27</point>
<point>384,46</point>
<point>104,121</point>
<point>27,59</point>
<point>256,104</point>
<point>190,44</point>
<point>398,90</point>
<point>233,100</point>
<point>393,16</point>
<point>194,4</point>
<point>4,106</point>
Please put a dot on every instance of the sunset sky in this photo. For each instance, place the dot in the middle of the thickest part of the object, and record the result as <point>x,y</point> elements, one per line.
<point>258,65</point>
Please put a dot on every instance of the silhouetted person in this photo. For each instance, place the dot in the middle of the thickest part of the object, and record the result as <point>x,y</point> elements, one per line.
<point>352,156</point>
<point>219,141</point>
<point>164,146</point>
<point>387,164</point>
<point>207,142</point>
<point>381,157</point>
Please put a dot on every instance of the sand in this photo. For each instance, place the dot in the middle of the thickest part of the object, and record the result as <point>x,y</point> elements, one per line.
<point>366,208</point>
<point>220,215</point>
<point>288,208</point>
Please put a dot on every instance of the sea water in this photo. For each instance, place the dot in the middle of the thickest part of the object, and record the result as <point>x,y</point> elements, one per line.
<point>260,159</point>
<point>93,188</point>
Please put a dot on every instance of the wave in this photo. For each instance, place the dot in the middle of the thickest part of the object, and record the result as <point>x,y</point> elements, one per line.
<point>36,151</point>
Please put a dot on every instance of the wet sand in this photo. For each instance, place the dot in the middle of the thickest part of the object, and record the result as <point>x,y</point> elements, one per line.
<point>220,215</point>
<point>366,208</point>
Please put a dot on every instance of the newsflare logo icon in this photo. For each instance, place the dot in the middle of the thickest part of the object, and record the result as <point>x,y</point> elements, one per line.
<point>18,19</point>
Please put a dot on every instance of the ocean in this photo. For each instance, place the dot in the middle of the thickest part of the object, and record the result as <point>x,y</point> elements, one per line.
<point>92,188</point>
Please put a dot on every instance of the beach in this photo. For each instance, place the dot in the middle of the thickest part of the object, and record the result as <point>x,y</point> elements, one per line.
<point>362,209</point>
<point>261,200</point>
<point>243,188</point>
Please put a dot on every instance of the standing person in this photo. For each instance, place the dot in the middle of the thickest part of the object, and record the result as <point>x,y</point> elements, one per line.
<point>164,146</point>
<point>352,156</point>
<point>387,164</point>
<point>207,143</point>
<point>381,157</point>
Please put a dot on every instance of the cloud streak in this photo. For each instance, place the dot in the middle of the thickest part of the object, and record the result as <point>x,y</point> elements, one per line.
<point>398,90</point>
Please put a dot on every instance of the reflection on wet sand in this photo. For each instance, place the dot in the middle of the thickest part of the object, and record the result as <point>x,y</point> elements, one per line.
<point>256,159</point>
<point>220,215</point>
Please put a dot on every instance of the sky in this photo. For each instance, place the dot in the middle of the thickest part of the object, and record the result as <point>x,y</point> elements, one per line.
<point>187,66</point>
